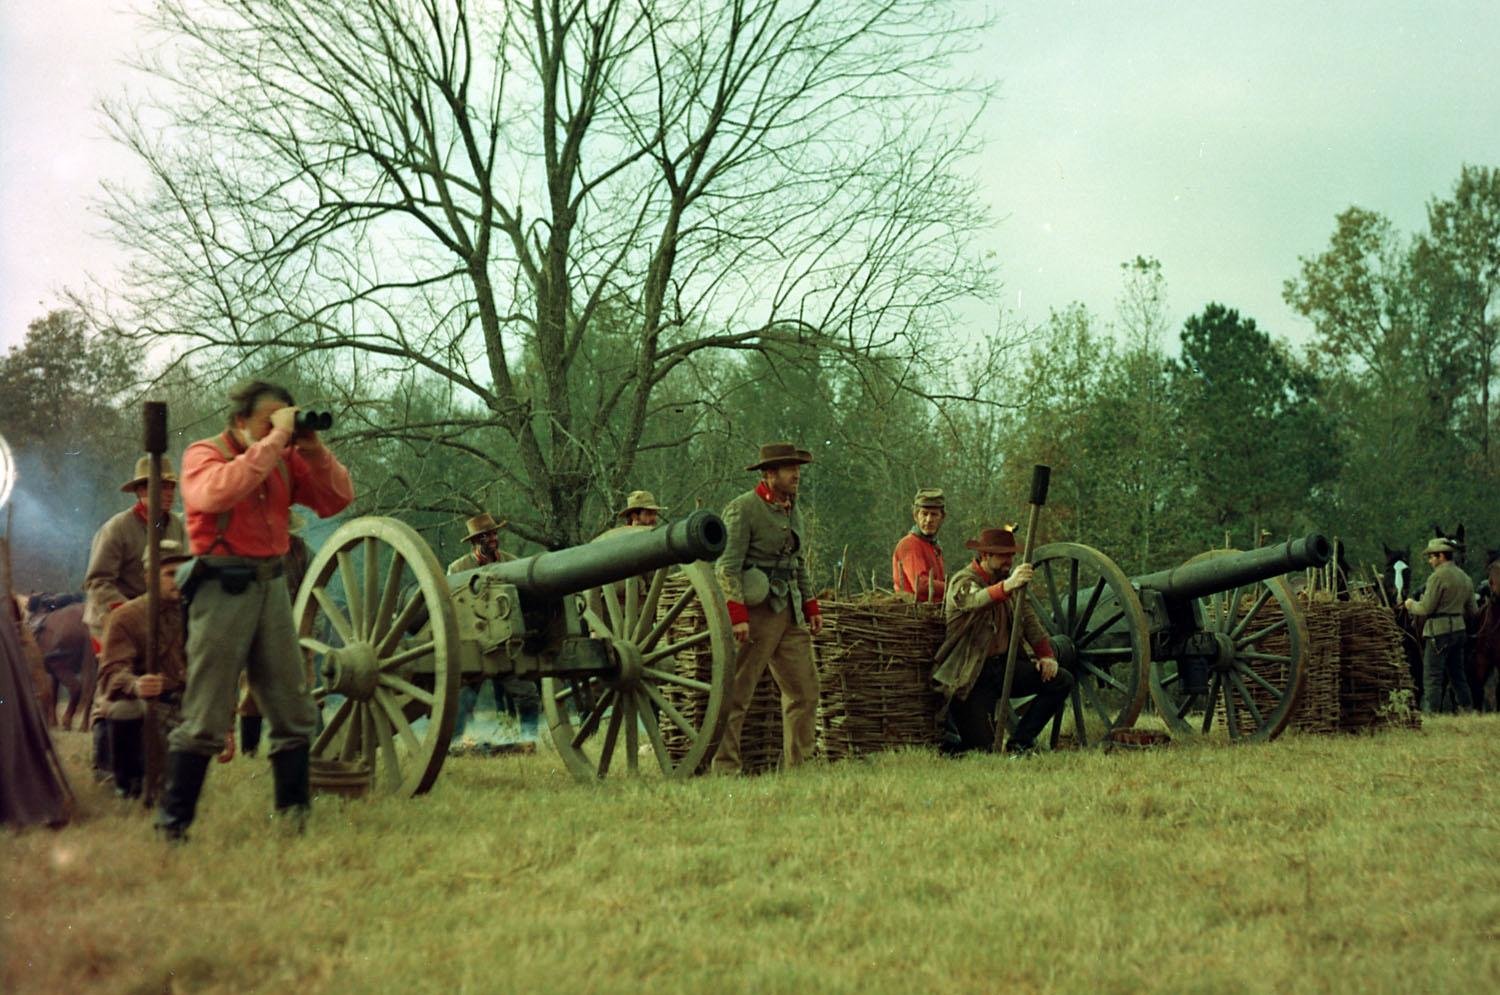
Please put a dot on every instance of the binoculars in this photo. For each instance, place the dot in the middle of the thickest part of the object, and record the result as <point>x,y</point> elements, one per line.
<point>314,421</point>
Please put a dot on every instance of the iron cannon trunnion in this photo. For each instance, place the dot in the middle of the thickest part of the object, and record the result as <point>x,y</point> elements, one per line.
<point>609,628</point>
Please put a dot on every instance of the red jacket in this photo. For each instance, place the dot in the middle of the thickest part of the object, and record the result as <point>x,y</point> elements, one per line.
<point>255,492</point>
<point>916,563</point>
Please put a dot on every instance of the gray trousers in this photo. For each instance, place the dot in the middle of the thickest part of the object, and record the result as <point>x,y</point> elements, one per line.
<point>251,632</point>
<point>1443,661</point>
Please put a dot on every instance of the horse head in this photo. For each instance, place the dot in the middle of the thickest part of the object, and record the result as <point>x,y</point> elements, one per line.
<point>1457,537</point>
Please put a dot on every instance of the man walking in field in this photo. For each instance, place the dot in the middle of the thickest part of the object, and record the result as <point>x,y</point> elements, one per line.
<point>763,572</point>
<point>1447,603</point>
<point>917,561</point>
<point>981,603</point>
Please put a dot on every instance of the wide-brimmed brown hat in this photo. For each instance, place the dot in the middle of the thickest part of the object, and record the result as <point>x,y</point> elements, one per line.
<point>143,473</point>
<point>639,501</point>
<point>779,454</point>
<point>993,541</point>
<point>1439,546</point>
<point>928,497</point>
<point>482,523</point>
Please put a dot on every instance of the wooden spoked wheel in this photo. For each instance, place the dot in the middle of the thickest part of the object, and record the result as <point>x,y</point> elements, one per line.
<point>670,633</point>
<point>1253,685</point>
<point>380,642</point>
<point>1098,631</point>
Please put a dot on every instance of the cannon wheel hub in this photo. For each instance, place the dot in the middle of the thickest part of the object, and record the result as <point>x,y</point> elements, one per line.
<point>352,670</point>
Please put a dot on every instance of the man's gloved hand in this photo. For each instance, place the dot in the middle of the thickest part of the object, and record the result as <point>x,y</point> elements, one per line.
<point>1019,578</point>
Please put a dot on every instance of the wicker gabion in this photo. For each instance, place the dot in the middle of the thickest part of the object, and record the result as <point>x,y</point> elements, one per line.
<point>1318,708</point>
<point>1375,687</point>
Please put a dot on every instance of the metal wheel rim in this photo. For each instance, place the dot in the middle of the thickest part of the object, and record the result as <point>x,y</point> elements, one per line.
<point>1244,694</point>
<point>380,559</point>
<point>606,731</point>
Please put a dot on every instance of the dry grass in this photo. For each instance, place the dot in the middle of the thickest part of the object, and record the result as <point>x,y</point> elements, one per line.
<point>1310,864</point>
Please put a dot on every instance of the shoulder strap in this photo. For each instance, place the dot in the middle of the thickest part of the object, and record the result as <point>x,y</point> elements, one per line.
<point>225,444</point>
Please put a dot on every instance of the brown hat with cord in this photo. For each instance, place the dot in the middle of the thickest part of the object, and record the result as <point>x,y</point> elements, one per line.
<point>998,541</point>
<point>482,523</point>
<point>143,473</point>
<point>773,454</point>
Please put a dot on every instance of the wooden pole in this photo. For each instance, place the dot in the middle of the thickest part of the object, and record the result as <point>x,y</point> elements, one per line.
<point>154,743</point>
<point>1041,476</point>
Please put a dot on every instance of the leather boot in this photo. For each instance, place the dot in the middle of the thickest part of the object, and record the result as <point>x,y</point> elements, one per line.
<point>126,751</point>
<point>249,734</point>
<point>103,765</point>
<point>179,800</point>
<point>289,770</point>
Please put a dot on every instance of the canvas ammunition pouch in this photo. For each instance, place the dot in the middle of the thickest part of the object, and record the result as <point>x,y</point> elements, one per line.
<point>761,581</point>
<point>234,573</point>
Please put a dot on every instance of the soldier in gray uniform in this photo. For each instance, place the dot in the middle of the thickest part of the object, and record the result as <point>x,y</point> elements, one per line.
<point>1447,603</point>
<point>763,572</point>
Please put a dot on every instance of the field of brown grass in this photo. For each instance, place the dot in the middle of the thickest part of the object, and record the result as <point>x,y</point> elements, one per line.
<point>1311,864</point>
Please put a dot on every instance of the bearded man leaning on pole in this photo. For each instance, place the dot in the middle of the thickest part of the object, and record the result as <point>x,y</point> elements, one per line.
<point>238,489</point>
<point>763,572</point>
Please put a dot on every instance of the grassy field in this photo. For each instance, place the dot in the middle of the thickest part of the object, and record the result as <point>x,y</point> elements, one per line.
<point>1311,864</point>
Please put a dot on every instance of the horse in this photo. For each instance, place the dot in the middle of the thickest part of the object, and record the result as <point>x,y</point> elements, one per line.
<point>67,651</point>
<point>1486,656</point>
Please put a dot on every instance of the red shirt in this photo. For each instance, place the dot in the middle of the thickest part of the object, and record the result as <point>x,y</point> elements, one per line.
<point>916,562</point>
<point>254,492</point>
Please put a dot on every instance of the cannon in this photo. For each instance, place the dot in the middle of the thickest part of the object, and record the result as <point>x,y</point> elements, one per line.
<point>609,629</point>
<point>1220,638</point>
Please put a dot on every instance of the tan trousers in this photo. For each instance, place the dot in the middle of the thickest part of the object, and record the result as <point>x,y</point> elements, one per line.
<point>775,641</point>
<point>251,631</point>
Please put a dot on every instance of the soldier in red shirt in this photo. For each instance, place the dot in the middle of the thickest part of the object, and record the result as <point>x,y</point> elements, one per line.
<point>917,561</point>
<point>237,490</point>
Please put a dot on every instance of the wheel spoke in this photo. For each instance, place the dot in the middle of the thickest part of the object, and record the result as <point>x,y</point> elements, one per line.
<point>1231,712</point>
<point>1256,655</point>
<point>1274,691</point>
<point>1104,676</point>
<point>599,625</point>
<point>397,720</point>
<point>1260,601</point>
<point>414,613</point>
<point>371,593</point>
<point>388,748</point>
<point>632,607</point>
<point>1239,686</point>
<point>591,721</point>
<point>371,742</point>
<point>632,722</point>
<point>1120,651</point>
<point>407,655</point>
<point>648,610</point>
<point>389,595</point>
<point>1072,595</point>
<point>1208,706</point>
<point>696,639</point>
<point>335,614</point>
<point>1098,629</point>
<point>400,685</point>
<point>1058,620</point>
<point>1226,620</point>
<point>1257,636</point>
<point>665,622</point>
<point>613,611</point>
<point>354,734</point>
<point>352,592</point>
<point>1186,706</point>
<point>653,733</point>
<point>1080,721</point>
<point>1095,702</point>
<point>670,711</point>
<point>332,727</point>
<point>317,646</point>
<point>1171,679</point>
<point>678,679</point>
<point>607,751</point>
<point>1088,609</point>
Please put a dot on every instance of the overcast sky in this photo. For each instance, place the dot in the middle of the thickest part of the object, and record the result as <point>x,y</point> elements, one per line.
<point>1221,137</point>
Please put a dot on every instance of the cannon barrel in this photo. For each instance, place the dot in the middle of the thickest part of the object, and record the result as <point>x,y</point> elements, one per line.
<point>626,553</point>
<point>1224,573</point>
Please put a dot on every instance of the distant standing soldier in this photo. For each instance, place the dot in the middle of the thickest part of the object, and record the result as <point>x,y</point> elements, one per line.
<point>973,675</point>
<point>511,692</point>
<point>763,571</point>
<point>917,561</point>
<point>641,509</point>
<point>1447,603</point>
<point>116,572</point>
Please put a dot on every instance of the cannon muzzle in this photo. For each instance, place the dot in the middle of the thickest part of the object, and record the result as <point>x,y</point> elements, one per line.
<point>1225,573</point>
<point>614,557</point>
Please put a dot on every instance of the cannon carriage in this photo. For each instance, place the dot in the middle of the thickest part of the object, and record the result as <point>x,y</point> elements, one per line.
<point>1218,639</point>
<point>610,630</point>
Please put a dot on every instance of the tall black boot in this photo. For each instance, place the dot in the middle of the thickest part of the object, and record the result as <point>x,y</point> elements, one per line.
<point>289,770</point>
<point>249,734</point>
<point>103,765</point>
<point>126,748</point>
<point>179,800</point>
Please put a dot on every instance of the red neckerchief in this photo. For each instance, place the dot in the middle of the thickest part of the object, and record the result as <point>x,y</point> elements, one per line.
<point>983,573</point>
<point>769,497</point>
<point>140,511</point>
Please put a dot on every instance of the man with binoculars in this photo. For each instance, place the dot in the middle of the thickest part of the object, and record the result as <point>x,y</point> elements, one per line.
<point>237,491</point>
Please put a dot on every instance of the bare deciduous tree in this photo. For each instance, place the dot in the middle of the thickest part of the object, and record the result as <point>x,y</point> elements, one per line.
<point>550,207</point>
